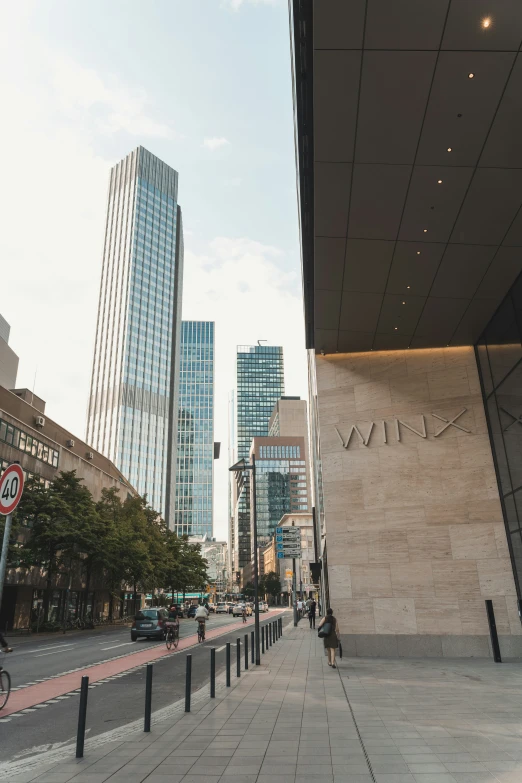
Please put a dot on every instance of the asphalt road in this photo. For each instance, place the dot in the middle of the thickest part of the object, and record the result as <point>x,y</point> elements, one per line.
<point>35,660</point>
<point>113,703</point>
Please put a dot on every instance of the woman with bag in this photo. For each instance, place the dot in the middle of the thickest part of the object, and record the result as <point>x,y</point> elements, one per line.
<point>330,634</point>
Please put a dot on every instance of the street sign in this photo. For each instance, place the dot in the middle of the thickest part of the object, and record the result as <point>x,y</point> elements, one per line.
<point>11,488</point>
<point>288,531</point>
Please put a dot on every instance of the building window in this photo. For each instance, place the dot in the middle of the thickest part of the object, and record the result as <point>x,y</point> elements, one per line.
<point>24,442</point>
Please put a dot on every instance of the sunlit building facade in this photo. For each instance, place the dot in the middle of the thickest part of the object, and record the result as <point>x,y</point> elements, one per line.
<point>132,414</point>
<point>195,460</point>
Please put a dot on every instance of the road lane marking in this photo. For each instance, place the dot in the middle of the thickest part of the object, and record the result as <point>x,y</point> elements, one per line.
<point>41,655</point>
<point>221,648</point>
<point>54,647</point>
<point>125,644</point>
<point>112,640</point>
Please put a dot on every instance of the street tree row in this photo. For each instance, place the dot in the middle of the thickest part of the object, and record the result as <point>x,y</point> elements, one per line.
<point>61,530</point>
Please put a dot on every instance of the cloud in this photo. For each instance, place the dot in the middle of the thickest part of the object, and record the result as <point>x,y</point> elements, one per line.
<point>235,5</point>
<point>109,104</point>
<point>244,286</point>
<point>215,143</point>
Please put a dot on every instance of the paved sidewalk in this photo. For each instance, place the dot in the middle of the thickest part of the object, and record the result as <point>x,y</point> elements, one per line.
<point>291,721</point>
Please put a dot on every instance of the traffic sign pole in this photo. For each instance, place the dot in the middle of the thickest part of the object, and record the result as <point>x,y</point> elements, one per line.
<point>11,488</point>
<point>3,558</point>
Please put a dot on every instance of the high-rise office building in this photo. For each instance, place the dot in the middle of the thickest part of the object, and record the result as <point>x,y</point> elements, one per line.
<point>8,358</point>
<point>282,484</point>
<point>260,383</point>
<point>133,405</point>
<point>195,462</point>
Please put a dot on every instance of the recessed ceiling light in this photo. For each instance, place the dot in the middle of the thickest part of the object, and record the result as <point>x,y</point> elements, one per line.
<point>486,22</point>
<point>439,182</point>
<point>471,75</point>
<point>418,252</point>
<point>396,328</point>
<point>425,230</point>
<point>408,286</point>
<point>404,302</point>
<point>449,149</point>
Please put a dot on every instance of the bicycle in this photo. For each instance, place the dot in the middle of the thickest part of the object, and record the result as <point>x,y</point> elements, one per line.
<point>172,636</point>
<point>5,687</point>
<point>201,632</point>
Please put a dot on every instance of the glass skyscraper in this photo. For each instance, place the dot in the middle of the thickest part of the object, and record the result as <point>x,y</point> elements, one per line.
<point>132,414</point>
<point>260,383</point>
<point>195,462</point>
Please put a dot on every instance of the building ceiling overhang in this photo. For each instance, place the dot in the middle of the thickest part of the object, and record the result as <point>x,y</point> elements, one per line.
<point>409,150</point>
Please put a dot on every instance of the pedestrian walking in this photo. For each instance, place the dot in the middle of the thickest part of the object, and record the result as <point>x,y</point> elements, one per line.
<point>300,608</point>
<point>311,613</point>
<point>331,640</point>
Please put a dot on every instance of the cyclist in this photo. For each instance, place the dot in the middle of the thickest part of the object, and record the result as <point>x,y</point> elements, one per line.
<point>173,618</point>
<point>3,644</point>
<point>201,617</point>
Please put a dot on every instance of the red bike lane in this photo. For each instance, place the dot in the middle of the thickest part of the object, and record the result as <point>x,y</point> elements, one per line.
<point>62,684</point>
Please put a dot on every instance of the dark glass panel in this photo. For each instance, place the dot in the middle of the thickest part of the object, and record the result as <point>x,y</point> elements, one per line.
<point>498,444</point>
<point>503,341</point>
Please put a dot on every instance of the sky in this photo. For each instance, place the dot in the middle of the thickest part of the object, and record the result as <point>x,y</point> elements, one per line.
<point>206,86</point>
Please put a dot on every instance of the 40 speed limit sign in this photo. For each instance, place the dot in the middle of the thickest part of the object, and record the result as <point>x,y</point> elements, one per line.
<point>11,488</point>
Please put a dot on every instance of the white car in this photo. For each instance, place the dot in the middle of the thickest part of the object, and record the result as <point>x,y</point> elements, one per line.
<point>221,609</point>
<point>238,609</point>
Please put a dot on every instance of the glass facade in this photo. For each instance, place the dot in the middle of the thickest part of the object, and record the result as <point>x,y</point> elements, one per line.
<point>499,353</point>
<point>260,383</point>
<point>281,488</point>
<point>195,460</point>
<point>132,416</point>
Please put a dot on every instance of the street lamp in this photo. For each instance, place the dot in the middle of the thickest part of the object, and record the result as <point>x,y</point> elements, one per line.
<point>239,468</point>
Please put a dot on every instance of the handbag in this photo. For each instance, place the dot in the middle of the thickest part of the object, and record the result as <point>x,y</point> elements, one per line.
<point>324,630</point>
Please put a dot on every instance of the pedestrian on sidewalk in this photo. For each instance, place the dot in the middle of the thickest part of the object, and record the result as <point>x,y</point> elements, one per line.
<point>311,613</point>
<point>331,641</point>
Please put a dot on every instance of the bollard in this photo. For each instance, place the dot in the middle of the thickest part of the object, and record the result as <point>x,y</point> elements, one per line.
<point>148,697</point>
<point>262,631</point>
<point>212,672</point>
<point>276,629</point>
<point>270,629</point>
<point>188,683</point>
<point>82,718</point>
<point>228,664</point>
<point>252,645</point>
<point>280,626</point>
<point>266,639</point>
<point>246,651</point>
<point>238,658</point>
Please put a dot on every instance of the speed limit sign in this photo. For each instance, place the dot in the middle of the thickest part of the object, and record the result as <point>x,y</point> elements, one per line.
<point>11,488</point>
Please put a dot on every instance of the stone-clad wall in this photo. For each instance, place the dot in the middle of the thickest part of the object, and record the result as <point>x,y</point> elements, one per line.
<point>415,533</point>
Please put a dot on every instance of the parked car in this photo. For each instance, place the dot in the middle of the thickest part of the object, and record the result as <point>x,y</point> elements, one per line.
<point>237,610</point>
<point>211,607</point>
<point>149,623</point>
<point>263,606</point>
<point>222,609</point>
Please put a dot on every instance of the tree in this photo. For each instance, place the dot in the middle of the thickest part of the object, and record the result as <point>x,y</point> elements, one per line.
<point>249,589</point>
<point>272,584</point>
<point>62,518</point>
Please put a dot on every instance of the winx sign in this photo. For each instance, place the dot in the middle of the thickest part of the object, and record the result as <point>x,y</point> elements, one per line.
<point>382,429</point>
